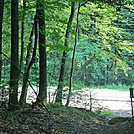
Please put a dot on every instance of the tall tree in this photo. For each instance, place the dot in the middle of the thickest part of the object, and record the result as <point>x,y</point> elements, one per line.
<point>1,18</point>
<point>42,96</point>
<point>22,34</point>
<point>29,62</point>
<point>72,67</point>
<point>62,69</point>
<point>13,95</point>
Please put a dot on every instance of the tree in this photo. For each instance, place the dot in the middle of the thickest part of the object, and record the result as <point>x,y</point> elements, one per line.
<point>29,62</point>
<point>13,95</point>
<point>22,34</point>
<point>42,96</point>
<point>1,17</point>
<point>74,50</point>
<point>103,28</point>
<point>62,69</point>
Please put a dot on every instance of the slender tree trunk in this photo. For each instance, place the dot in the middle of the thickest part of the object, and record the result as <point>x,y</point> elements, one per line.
<point>13,95</point>
<point>22,35</point>
<point>1,18</point>
<point>42,96</point>
<point>29,64</point>
<point>85,71</point>
<point>72,67</point>
<point>31,41</point>
<point>115,71</point>
<point>108,70</point>
<point>62,70</point>
<point>107,73</point>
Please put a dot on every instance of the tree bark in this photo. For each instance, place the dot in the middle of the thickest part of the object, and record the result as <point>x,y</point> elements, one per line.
<point>109,69</point>
<point>115,68</point>
<point>74,50</point>
<point>1,18</point>
<point>22,35</point>
<point>13,95</point>
<point>62,70</point>
<point>42,96</point>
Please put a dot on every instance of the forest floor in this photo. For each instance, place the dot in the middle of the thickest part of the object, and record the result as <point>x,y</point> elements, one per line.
<point>63,120</point>
<point>75,119</point>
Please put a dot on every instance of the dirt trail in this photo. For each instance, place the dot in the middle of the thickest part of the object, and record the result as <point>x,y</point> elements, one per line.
<point>117,101</point>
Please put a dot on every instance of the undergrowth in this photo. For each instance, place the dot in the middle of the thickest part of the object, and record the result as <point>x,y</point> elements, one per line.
<point>81,114</point>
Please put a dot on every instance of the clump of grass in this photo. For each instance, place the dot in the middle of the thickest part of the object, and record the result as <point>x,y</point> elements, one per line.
<point>105,112</point>
<point>81,114</point>
<point>56,108</point>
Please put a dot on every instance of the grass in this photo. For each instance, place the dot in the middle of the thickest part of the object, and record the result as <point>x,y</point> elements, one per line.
<point>118,87</point>
<point>80,113</point>
<point>113,86</point>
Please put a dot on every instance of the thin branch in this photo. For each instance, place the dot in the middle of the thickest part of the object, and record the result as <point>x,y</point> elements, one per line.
<point>82,4</point>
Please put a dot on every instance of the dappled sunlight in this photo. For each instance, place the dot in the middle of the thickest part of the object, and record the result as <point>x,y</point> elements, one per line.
<point>117,101</point>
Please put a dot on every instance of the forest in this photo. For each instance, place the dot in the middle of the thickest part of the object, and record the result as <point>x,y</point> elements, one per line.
<point>67,45</point>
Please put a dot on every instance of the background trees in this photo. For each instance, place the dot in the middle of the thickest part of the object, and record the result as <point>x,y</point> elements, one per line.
<point>104,53</point>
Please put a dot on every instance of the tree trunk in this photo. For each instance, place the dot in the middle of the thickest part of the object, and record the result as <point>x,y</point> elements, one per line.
<point>115,71</point>
<point>62,70</point>
<point>1,18</point>
<point>42,96</point>
<point>85,71</point>
<point>72,67</point>
<point>29,63</point>
<point>22,35</point>
<point>13,95</point>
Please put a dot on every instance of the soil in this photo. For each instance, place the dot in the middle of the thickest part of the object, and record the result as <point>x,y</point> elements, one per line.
<point>125,126</point>
<point>65,121</point>
<point>38,121</point>
<point>78,120</point>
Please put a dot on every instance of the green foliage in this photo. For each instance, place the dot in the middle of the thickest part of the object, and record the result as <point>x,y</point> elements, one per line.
<point>104,55</point>
<point>56,108</point>
<point>104,112</point>
<point>78,85</point>
<point>99,35</point>
<point>118,87</point>
<point>82,115</point>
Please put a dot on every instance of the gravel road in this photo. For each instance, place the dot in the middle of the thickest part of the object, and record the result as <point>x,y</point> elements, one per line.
<point>117,101</point>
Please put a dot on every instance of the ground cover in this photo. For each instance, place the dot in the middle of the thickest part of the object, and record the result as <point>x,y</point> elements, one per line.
<point>63,121</point>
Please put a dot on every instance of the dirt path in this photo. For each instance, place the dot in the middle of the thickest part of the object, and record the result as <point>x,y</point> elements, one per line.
<point>117,101</point>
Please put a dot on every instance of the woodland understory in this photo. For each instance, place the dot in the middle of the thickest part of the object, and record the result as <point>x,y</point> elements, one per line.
<point>62,120</point>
